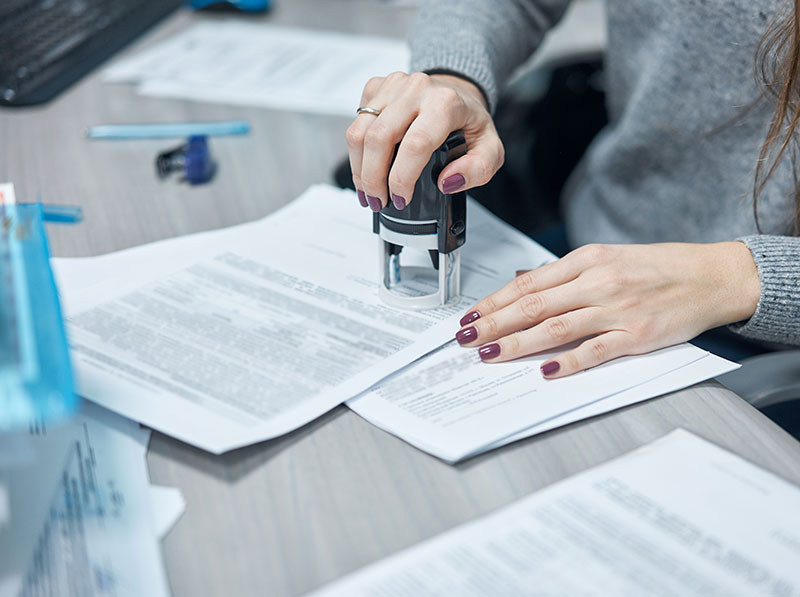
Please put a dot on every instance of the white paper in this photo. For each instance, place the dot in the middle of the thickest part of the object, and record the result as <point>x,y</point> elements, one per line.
<point>705,368</point>
<point>679,517</point>
<point>80,513</point>
<point>166,506</point>
<point>263,65</point>
<point>7,195</point>
<point>452,405</point>
<point>257,330</point>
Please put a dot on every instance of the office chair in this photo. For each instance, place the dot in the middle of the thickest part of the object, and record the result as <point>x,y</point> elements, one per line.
<point>771,383</point>
<point>767,379</point>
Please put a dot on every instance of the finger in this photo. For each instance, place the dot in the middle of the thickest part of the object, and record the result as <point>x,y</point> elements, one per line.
<point>370,90</point>
<point>424,135</point>
<point>546,276</point>
<point>549,334</point>
<point>355,152</point>
<point>590,353</point>
<point>524,313</point>
<point>483,159</point>
<point>356,131</point>
<point>398,99</point>
<point>380,142</point>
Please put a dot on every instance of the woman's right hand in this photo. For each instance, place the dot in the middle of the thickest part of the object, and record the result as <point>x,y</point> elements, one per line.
<point>418,112</point>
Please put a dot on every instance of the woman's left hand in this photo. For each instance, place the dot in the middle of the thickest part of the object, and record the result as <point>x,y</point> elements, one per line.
<point>621,299</point>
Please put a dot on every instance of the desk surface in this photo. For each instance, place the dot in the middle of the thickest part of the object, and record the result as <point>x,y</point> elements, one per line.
<point>286,516</point>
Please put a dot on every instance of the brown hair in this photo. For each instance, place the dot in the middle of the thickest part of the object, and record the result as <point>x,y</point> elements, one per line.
<point>778,71</point>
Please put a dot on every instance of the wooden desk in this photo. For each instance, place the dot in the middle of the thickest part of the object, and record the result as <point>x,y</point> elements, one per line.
<point>286,516</point>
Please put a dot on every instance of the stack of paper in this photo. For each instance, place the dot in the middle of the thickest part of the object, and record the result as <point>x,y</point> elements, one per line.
<point>80,516</point>
<point>227,338</point>
<point>667,519</point>
<point>263,65</point>
<point>453,406</point>
<point>231,337</point>
<point>256,64</point>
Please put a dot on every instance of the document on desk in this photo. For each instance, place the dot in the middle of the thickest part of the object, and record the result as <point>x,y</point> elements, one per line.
<point>453,406</point>
<point>252,332</point>
<point>82,511</point>
<point>702,369</point>
<point>679,517</point>
<point>263,65</point>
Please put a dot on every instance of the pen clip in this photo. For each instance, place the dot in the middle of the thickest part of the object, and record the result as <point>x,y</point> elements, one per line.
<point>60,214</point>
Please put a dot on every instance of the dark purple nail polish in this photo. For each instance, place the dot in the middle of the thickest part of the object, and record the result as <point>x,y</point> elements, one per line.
<point>489,351</point>
<point>466,335</point>
<point>452,183</point>
<point>469,318</point>
<point>362,198</point>
<point>399,202</point>
<point>374,203</point>
<point>550,368</point>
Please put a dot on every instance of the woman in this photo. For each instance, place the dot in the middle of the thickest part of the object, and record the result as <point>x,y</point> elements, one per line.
<point>675,169</point>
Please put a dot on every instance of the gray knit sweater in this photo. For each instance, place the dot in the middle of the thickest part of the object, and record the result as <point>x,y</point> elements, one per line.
<point>677,161</point>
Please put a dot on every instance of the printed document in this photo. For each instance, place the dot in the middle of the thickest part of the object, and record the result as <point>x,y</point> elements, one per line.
<point>700,370</point>
<point>81,511</point>
<point>453,406</point>
<point>679,517</point>
<point>256,64</point>
<point>242,335</point>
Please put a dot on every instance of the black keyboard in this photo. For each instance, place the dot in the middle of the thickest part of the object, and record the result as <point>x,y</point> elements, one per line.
<point>46,45</point>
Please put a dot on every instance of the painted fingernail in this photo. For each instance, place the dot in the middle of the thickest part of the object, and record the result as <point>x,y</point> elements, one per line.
<point>489,351</point>
<point>362,198</point>
<point>399,202</point>
<point>469,318</point>
<point>550,368</point>
<point>466,335</point>
<point>374,203</point>
<point>452,183</point>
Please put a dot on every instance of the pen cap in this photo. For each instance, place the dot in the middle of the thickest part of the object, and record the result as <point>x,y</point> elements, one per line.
<point>199,166</point>
<point>35,373</point>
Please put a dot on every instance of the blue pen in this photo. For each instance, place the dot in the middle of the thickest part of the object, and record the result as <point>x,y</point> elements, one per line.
<point>167,130</point>
<point>62,214</point>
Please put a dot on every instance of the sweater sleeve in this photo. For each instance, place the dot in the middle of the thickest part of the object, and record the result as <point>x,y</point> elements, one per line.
<point>481,40</point>
<point>777,317</point>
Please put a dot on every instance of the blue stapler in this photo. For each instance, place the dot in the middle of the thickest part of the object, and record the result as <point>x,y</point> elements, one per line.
<point>35,375</point>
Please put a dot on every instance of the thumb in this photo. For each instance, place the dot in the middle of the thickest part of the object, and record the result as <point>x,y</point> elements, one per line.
<point>473,169</point>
